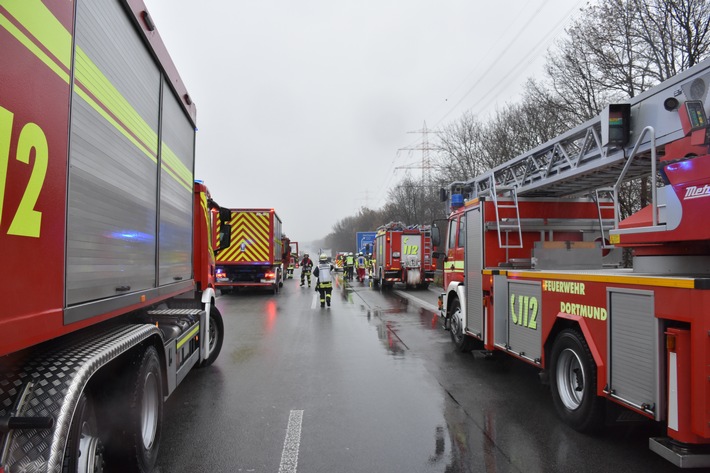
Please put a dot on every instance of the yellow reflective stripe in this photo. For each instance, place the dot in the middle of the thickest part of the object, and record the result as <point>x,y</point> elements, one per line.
<point>206,215</point>
<point>88,75</point>
<point>45,28</point>
<point>684,283</point>
<point>90,83</point>
<point>252,231</point>
<point>173,165</point>
<point>458,265</point>
<point>188,337</point>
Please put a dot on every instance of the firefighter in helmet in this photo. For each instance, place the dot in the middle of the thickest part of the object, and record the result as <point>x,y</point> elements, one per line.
<point>349,263</point>
<point>324,283</point>
<point>306,265</point>
<point>360,264</point>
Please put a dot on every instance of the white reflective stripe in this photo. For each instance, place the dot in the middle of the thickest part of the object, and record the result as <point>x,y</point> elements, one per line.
<point>292,443</point>
<point>673,392</point>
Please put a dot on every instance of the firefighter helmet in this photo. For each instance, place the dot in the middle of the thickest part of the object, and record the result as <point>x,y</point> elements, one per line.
<point>323,258</point>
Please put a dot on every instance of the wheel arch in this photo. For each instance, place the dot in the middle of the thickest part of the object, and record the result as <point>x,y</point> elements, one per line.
<point>456,291</point>
<point>568,321</point>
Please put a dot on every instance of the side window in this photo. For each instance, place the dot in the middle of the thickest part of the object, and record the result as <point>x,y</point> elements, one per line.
<point>462,231</point>
<point>452,234</point>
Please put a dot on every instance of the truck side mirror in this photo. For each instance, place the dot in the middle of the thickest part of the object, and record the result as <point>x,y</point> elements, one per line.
<point>435,236</point>
<point>225,215</point>
<point>225,236</point>
<point>439,255</point>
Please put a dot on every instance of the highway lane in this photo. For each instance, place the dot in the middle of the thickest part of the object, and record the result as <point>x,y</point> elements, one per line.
<point>371,384</point>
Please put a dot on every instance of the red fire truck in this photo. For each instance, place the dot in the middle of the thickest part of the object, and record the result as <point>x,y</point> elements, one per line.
<point>254,257</point>
<point>532,266</point>
<point>403,254</point>
<point>105,238</point>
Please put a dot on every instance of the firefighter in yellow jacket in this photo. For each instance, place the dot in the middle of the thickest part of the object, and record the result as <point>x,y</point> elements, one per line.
<point>324,283</point>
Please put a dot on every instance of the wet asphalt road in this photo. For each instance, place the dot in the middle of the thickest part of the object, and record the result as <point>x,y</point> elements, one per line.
<point>375,386</point>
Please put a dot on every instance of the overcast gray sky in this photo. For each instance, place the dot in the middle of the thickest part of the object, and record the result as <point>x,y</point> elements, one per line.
<point>308,106</point>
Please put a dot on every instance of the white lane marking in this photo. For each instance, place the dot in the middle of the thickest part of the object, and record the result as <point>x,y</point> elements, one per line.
<point>289,456</point>
<point>315,300</point>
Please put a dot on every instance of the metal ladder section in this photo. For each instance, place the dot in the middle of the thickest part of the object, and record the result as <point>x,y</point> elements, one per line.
<point>605,205</point>
<point>577,163</point>
<point>506,226</point>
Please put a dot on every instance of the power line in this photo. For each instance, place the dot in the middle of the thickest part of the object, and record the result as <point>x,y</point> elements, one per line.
<point>424,147</point>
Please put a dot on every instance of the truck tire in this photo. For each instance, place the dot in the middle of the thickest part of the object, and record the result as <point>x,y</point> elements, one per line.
<point>140,429</point>
<point>573,383</point>
<point>375,280</point>
<point>463,342</point>
<point>85,450</point>
<point>216,336</point>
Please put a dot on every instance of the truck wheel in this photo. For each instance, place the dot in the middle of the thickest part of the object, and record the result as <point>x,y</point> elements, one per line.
<point>85,451</point>
<point>141,428</point>
<point>375,280</point>
<point>573,382</point>
<point>463,342</point>
<point>216,336</point>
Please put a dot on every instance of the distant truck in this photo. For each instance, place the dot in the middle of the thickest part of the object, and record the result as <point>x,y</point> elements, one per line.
<point>254,257</point>
<point>97,193</point>
<point>403,254</point>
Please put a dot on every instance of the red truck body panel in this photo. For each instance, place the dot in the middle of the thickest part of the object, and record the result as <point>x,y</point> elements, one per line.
<point>36,104</point>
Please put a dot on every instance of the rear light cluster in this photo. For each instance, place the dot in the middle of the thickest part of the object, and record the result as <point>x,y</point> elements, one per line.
<point>270,275</point>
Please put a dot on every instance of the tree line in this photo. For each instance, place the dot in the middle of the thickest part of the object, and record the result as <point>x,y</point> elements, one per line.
<point>613,51</point>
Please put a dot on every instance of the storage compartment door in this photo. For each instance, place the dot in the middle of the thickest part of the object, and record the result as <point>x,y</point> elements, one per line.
<point>177,153</point>
<point>113,156</point>
<point>473,277</point>
<point>634,349</point>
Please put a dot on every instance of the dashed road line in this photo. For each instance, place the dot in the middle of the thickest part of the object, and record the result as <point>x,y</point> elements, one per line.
<point>292,443</point>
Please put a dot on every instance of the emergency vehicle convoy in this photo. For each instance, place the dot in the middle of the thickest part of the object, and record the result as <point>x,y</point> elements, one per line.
<point>98,202</point>
<point>255,255</point>
<point>403,254</point>
<point>532,268</point>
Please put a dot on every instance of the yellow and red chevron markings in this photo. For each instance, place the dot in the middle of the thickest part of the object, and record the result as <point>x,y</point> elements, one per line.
<point>250,239</point>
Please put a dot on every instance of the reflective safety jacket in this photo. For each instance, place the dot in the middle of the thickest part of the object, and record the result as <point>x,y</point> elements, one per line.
<point>350,260</point>
<point>360,261</point>
<point>324,272</point>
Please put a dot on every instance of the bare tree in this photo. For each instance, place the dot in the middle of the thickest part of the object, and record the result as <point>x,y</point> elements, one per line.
<point>458,149</point>
<point>675,34</point>
<point>413,202</point>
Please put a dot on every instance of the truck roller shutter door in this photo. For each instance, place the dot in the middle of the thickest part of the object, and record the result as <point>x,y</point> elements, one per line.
<point>112,219</point>
<point>177,152</point>
<point>474,264</point>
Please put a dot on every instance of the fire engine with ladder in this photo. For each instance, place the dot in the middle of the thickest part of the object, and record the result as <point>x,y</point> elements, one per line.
<point>403,254</point>
<point>105,237</point>
<point>532,266</point>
